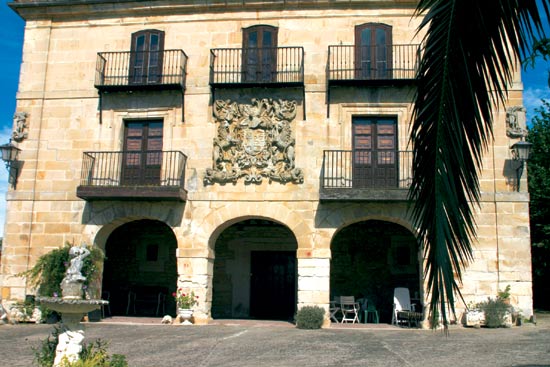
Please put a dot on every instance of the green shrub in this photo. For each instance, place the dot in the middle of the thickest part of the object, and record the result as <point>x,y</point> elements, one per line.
<point>505,294</point>
<point>44,354</point>
<point>495,311</point>
<point>95,351</point>
<point>310,317</point>
<point>118,360</point>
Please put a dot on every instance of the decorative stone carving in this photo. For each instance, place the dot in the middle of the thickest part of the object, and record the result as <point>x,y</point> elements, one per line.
<point>19,126</point>
<point>516,122</point>
<point>254,141</point>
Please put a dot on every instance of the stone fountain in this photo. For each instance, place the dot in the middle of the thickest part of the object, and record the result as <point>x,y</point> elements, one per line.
<point>72,306</point>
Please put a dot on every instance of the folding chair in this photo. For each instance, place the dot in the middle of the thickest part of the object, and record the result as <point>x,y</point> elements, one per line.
<point>106,295</point>
<point>333,310</point>
<point>349,309</point>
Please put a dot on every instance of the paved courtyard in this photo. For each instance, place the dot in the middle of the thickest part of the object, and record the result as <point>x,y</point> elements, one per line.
<point>256,344</point>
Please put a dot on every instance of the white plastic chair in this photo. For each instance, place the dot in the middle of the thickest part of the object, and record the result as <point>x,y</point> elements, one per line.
<point>403,310</point>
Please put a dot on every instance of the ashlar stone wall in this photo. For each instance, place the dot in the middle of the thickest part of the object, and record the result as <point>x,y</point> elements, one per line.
<point>57,92</point>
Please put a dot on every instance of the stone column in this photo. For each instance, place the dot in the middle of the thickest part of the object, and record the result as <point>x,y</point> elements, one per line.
<point>195,274</point>
<point>314,283</point>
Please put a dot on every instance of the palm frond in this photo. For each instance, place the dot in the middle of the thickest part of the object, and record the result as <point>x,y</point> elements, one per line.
<point>469,54</point>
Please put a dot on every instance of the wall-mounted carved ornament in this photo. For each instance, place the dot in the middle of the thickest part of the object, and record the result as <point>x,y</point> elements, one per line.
<point>516,122</point>
<point>254,141</point>
<point>19,126</point>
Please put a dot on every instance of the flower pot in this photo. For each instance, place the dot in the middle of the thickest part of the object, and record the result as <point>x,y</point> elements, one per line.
<point>185,315</point>
<point>94,316</point>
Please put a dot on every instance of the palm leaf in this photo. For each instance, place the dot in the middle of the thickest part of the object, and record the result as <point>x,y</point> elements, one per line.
<point>467,63</point>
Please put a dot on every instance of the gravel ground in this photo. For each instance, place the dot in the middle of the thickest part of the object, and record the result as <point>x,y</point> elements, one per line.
<point>270,344</point>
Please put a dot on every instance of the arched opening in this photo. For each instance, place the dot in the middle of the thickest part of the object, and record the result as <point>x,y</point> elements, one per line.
<point>140,271</point>
<point>255,272</point>
<point>370,259</point>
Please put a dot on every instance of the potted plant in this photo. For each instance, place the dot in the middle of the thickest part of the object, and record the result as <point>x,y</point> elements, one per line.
<point>185,302</point>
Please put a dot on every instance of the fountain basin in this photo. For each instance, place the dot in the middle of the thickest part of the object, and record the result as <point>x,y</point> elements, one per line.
<point>79,306</point>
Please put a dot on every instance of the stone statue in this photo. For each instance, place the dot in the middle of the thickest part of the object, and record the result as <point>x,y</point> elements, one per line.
<point>71,285</point>
<point>516,122</point>
<point>77,255</point>
<point>19,126</point>
<point>69,347</point>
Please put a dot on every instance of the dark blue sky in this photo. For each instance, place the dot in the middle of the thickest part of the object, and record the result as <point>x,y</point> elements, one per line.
<point>11,40</point>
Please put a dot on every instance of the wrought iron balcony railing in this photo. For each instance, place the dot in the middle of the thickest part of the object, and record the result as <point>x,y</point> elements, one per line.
<point>133,175</point>
<point>366,169</point>
<point>130,70</point>
<point>276,66</point>
<point>380,63</point>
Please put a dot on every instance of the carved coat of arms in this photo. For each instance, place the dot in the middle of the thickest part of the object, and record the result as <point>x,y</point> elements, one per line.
<point>254,141</point>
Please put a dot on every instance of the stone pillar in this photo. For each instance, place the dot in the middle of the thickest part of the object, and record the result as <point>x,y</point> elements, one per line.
<point>195,274</point>
<point>314,283</point>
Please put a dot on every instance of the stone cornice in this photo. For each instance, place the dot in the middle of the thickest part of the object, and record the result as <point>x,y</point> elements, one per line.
<point>59,9</point>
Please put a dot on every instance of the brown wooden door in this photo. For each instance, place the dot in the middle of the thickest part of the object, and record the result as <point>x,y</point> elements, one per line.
<point>374,152</point>
<point>146,57</point>
<point>273,285</point>
<point>373,51</point>
<point>142,158</point>
<point>260,54</point>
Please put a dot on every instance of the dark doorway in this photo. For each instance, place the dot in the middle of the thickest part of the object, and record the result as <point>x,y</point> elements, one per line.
<point>273,285</point>
<point>255,272</point>
<point>142,153</point>
<point>260,54</point>
<point>370,259</point>
<point>140,271</point>
<point>374,152</point>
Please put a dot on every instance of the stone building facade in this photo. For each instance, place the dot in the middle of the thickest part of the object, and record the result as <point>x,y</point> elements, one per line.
<point>255,152</point>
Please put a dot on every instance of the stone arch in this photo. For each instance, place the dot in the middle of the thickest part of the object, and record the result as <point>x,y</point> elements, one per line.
<point>213,224</point>
<point>197,243</point>
<point>389,219</point>
<point>255,271</point>
<point>140,269</point>
<point>331,219</point>
<point>100,219</point>
<point>371,256</point>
